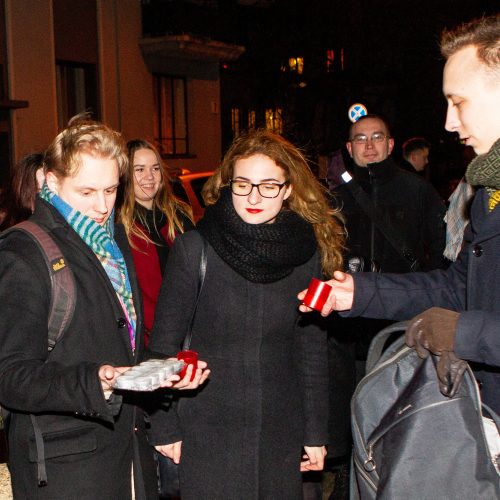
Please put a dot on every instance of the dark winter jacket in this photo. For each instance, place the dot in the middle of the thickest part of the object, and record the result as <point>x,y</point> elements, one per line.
<point>89,449</point>
<point>267,396</point>
<point>413,207</point>
<point>469,285</point>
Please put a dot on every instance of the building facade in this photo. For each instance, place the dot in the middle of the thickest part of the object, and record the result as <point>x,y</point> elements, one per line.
<point>59,58</point>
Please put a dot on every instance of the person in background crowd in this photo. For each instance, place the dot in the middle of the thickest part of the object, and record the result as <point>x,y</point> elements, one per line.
<point>4,209</point>
<point>456,311</point>
<point>268,229</point>
<point>70,435</point>
<point>394,220</point>
<point>152,217</point>
<point>27,181</point>
<point>407,204</point>
<point>415,155</point>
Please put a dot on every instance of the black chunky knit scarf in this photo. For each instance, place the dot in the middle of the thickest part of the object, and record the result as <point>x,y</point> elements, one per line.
<point>484,170</point>
<point>261,253</point>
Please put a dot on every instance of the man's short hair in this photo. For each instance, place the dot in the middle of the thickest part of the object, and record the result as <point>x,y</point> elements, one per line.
<point>414,144</point>
<point>483,33</point>
<point>374,117</point>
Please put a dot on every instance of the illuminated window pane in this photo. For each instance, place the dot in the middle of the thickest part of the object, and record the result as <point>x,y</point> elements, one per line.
<point>235,121</point>
<point>251,120</point>
<point>296,64</point>
<point>274,120</point>
<point>330,60</point>
<point>300,65</point>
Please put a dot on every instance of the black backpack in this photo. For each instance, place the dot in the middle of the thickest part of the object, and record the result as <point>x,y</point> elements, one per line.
<point>63,294</point>
<point>62,307</point>
<point>412,442</point>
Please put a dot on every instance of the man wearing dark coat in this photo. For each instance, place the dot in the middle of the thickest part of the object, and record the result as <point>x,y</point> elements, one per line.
<point>408,203</point>
<point>458,309</point>
<point>70,435</point>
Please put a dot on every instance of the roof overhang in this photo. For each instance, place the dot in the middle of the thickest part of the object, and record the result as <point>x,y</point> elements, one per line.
<point>187,55</point>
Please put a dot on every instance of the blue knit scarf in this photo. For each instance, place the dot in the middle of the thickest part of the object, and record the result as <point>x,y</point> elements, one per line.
<point>100,239</point>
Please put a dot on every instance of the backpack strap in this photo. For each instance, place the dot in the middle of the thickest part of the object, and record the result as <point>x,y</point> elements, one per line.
<point>63,292</point>
<point>62,307</point>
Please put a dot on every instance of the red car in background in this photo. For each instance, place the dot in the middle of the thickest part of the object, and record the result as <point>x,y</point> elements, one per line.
<point>187,186</point>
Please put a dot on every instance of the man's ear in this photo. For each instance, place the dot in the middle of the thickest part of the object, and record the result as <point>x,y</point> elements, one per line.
<point>391,145</point>
<point>52,182</point>
<point>348,145</point>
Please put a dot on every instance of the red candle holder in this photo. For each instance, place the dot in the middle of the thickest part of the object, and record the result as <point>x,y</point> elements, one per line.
<point>316,295</point>
<point>189,358</point>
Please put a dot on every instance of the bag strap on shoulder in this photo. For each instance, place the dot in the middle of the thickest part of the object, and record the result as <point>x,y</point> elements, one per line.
<point>383,224</point>
<point>63,291</point>
<point>201,278</point>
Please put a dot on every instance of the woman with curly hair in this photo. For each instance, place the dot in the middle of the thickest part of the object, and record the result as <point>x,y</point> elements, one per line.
<point>262,419</point>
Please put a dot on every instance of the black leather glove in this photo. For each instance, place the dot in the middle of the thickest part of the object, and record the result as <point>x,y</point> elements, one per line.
<point>434,331</point>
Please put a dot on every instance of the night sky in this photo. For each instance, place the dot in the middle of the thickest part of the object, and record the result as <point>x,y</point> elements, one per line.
<point>392,65</point>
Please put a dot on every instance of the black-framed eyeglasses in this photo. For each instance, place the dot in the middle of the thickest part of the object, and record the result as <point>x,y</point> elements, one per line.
<point>375,137</point>
<point>265,189</point>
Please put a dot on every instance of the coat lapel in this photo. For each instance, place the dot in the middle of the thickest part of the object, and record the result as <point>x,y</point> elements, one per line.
<point>487,223</point>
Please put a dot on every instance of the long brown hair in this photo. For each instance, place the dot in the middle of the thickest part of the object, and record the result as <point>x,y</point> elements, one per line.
<point>164,200</point>
<point>308,198</point>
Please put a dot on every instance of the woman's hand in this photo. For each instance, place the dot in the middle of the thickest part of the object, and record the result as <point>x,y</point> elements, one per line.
<point>172,451</point>
<point>313,458</point>
<point>201,375</point>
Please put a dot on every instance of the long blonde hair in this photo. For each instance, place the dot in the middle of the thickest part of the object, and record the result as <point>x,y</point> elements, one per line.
<point>308,198</point>
<point>165,201</point>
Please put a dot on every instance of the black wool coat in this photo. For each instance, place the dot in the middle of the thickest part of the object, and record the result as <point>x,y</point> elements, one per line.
<point>413,207</point>
<point>89,449</point>
<point>242,433</point>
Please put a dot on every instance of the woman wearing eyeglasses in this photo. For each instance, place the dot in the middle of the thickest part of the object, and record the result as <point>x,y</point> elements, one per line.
<point>262,418</point>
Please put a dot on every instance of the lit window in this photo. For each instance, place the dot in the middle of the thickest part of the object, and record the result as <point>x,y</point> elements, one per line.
<point>330,60</point>
<point>170,119</point>
<point>251,120</point>
<point>235,121</point>
<point>76,87</point>
<point>274,120</point>
<point>296,64</point>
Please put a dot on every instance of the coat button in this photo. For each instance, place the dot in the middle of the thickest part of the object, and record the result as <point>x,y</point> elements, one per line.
<point>477,250</point>
<point>121,322</point>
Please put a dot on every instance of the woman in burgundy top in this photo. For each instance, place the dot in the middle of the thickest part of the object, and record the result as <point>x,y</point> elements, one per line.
<point>152,217</point>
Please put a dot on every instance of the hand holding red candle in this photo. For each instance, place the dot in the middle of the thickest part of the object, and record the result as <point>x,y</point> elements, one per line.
<point>317,294</point>
<point>189,358</point>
